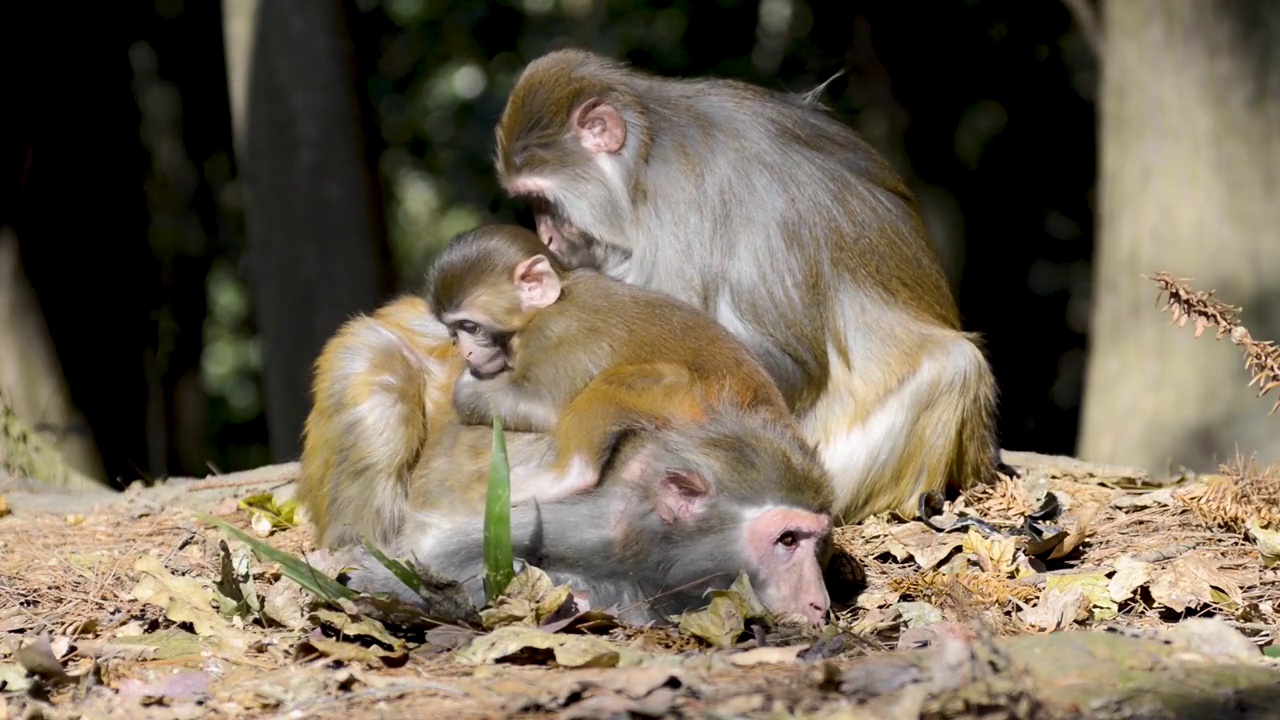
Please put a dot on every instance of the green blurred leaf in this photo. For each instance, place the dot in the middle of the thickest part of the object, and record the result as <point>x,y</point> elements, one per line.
<point>499,563</point>
<point>297,570</point>
<point>403,572</point>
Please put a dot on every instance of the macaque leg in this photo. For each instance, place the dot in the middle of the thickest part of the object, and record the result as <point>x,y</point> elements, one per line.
<point>618,399</point>
<point>933,428</point>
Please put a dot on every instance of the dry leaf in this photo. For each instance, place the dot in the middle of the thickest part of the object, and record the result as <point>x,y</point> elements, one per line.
<point>767,655</point>
<point>1078,533</point>
<point>923,544</point>
<point>530,598</point>
<point>1095,586</point>
<point>236,580</point>
<point>1268,543</point>
<point>285,603</point>
<point>872,599</point>
<point>1058,608</point>
<point>994,554</point>
<point>185,599</point>
<point>38,658</point>
<point>529,643</point>
<point>605,707</point>
<point>357,626</point>
<point>266,515</point>
<point>918,614</point>
<point>1189,581</point>
<point>876,620</point>
<point>721,623</point>
<point>1129,576</point>
<point>350,652</point>
<point>640,681</point>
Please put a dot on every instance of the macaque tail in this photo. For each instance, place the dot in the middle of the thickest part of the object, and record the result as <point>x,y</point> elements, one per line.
<point>370,418</point>
<point>933,431</point>
<point>976,451</point>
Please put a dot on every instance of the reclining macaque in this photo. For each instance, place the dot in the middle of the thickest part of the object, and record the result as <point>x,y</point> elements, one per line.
<point>764,210</point>
<point>582,355</point>
<point>681,506</point>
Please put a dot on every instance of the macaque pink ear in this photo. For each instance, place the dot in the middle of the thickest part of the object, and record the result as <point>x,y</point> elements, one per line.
<point>600,127</point>
<point>682,496</point>
<point>537,282</point>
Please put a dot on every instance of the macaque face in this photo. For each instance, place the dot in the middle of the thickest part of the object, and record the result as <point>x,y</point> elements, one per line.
<point>783,548</point>
<point>486,351</point>
<point>576,178</point>
<point>705,534</point>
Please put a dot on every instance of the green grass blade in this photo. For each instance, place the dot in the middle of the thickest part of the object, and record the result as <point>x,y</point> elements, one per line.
<point>499,565</point>
<point>295,569</point>
<point>403,572</point>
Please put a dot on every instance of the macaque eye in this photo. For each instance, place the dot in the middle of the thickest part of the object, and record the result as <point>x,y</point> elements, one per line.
<point>467,327</point>
<point>787,539</point>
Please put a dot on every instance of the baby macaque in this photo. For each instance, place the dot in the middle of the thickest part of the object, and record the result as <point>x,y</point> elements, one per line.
<point>581,355</point>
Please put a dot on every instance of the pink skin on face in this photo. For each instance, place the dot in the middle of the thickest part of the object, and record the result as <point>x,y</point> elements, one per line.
<point>783,543</point>
<point>548,233</point>
<point>484,361</point>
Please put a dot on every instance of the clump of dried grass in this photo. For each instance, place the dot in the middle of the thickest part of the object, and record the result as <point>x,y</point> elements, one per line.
<point>1241,495</point>
<point>1262,358</point>
<point>983,587</point>
<point>1005,498</point>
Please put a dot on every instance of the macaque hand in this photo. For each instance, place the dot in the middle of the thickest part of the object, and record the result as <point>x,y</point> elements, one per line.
<point>471,399</point>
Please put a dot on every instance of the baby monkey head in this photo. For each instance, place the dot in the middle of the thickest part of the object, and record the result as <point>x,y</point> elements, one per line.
<point>486,285</point>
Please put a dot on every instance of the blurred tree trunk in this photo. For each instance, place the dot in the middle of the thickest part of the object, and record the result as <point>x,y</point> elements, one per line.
<point>1190,146</point>
<point>313,212</point>
<point>30,375</point>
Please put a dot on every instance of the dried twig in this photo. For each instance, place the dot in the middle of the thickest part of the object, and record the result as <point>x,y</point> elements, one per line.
<point>1262,358</point>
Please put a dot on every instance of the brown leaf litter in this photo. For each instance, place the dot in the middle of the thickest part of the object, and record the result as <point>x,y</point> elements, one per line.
<point>1047,589</point>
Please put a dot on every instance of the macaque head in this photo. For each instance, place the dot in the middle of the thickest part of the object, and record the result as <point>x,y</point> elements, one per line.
<point>723,496</point>
<point>485,286</point>
<point>570,141</point>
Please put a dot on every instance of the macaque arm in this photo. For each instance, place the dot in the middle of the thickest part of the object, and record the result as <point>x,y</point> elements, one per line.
<point>618,399</point>
<point>478,401</point>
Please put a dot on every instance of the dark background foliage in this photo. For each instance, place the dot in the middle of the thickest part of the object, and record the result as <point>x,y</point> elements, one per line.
<point>121,183</point>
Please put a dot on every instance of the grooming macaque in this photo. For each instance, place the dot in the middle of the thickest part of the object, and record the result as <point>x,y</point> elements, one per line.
<point>764,210</point>
<point>680,507</point>
<point>581,355</point>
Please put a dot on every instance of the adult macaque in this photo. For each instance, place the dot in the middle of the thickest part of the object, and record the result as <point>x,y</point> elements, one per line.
<point>581,355</point>
<point>766,211</point>
<point>679,508</point>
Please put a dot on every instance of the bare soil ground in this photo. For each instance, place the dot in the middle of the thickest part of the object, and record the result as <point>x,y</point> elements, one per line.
<point>1080,591</point>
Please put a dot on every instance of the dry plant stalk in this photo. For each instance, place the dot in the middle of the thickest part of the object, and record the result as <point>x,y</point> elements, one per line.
<point>986,588</point>
<point>1242,495</point>
<point>1262,358</point>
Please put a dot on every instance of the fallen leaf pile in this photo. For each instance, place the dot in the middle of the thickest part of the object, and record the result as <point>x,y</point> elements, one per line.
<point>163,613</point>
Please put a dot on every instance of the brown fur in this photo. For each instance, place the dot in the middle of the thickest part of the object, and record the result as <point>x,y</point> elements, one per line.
<point>763,209</point>
<point>605,358</point>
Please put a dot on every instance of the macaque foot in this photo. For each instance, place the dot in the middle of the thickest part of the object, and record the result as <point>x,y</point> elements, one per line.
<point>548,484</point>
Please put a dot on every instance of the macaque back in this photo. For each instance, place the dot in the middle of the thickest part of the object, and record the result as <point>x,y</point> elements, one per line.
<point>766,211</point>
